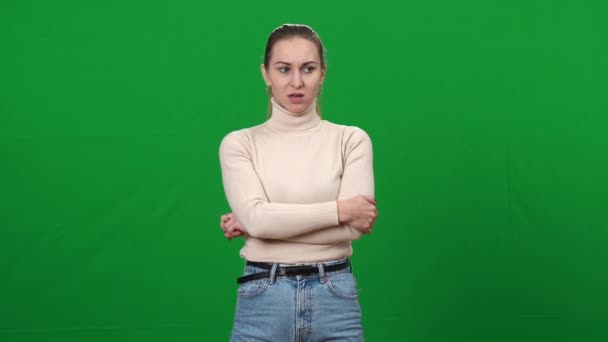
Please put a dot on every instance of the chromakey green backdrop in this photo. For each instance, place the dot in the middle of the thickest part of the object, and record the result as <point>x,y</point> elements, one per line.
<point>489,125</point>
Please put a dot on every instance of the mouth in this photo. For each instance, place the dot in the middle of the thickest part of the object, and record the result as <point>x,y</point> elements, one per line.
<point>296,98</point>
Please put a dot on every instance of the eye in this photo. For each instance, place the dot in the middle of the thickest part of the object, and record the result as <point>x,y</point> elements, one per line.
<point>308,70</point>
<point>283,69</point>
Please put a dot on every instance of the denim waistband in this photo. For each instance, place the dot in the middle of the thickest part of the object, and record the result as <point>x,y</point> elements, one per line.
<point>271,269</point>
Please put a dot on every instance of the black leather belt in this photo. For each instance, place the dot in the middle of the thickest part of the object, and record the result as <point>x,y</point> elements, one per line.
<point>302,270</point>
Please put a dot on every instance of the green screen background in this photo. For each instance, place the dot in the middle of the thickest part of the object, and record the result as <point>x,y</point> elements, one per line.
<point>490,151</point>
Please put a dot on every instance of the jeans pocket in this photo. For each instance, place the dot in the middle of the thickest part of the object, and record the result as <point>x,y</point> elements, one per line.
<point>252,288</point>
<point>343,285</point>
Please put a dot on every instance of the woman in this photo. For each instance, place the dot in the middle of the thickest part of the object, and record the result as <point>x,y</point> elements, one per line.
<point>301,189</point>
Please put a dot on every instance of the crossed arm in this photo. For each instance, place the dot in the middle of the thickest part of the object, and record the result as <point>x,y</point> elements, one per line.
<point>315,223</point>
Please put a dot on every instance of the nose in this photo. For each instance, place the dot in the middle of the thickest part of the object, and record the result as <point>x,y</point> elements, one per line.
<point>296,80</point>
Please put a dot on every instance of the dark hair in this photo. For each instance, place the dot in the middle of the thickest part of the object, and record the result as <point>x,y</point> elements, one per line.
<point>287,31</point>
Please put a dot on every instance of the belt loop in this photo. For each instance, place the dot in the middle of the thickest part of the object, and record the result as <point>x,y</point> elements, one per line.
<point>273,273</point>
<point>350,265</point>
<point>321,273</point>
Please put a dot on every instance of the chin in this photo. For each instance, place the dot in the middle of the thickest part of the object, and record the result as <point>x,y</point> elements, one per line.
<point>297,108</point>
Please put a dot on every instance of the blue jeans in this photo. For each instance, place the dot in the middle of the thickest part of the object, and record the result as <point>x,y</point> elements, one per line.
<point>319,307</point>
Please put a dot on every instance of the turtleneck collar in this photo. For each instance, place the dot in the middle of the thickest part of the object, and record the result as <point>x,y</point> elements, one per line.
<point>284,120</point>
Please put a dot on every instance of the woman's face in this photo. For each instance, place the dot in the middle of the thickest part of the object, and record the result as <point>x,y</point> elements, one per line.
<point>294,73</point>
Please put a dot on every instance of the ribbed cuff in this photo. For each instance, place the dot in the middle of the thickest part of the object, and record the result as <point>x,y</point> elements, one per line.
<point>326,214</point>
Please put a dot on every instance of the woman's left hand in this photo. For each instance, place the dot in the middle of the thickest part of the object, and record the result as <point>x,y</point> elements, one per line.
<point>231,226</point>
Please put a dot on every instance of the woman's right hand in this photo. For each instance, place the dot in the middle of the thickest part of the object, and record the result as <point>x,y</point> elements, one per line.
<point>231,226</point>
<point>359,212</point>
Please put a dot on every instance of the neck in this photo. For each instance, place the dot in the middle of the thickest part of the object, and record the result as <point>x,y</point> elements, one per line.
<point>284,120</point>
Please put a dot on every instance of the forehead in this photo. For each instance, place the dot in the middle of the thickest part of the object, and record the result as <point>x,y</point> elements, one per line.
<point>295,50</point>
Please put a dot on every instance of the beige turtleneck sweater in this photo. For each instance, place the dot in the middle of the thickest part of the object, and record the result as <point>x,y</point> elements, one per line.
<point>283,178</point>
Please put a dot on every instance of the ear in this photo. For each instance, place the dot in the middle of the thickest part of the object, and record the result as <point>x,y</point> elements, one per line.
<point>265,74</point>
<point>323,71</point>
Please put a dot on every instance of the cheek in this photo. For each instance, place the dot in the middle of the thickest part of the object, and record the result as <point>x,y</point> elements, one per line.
<point>278,82</point>
<point>277,89</point>
<point>316,77</point>
<point>315,82</point>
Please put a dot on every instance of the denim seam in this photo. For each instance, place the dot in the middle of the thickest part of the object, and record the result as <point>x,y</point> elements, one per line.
<point>257,292</point>
<point>341,295</point>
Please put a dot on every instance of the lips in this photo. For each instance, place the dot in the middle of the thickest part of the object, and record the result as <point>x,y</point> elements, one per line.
<point>296,97</point>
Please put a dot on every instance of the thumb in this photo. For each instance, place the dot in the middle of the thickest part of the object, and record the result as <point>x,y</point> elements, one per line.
<point>370,199</point>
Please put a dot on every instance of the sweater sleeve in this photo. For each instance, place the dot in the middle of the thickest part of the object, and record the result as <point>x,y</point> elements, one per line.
<point>357,179</point>
<point>247,199</point>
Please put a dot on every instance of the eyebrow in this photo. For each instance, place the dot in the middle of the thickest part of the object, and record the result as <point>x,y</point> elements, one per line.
<point>305,63</point>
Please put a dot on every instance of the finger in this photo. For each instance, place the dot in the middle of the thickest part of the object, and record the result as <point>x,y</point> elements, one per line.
<point>230,216</point>
<point>238,225</point>
<point>223,226</point>
<point>231,226</point>
<point>235,234</point>
<point>226,225</point>
<point>370,199</point>
<point>228,228</point>
<point>232,234</point>
<point>235,224</point>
